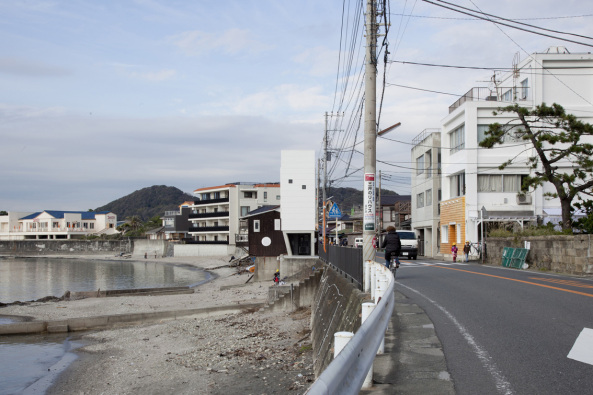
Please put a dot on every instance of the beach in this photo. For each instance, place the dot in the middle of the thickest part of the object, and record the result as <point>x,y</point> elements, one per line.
<point>252,352</point>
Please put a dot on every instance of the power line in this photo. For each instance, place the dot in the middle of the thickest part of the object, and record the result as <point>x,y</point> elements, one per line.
<point>478,19</point>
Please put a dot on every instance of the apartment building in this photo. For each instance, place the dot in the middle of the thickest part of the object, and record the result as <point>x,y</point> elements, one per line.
<point>474,190</point>
<point>426,190</point>
<point>214,215</point>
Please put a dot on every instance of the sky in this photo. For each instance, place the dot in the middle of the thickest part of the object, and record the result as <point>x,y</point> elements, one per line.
<point>100,99</point>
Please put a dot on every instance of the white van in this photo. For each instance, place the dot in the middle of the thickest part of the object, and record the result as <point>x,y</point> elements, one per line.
<point>409,243</point>
<point>358,242</point>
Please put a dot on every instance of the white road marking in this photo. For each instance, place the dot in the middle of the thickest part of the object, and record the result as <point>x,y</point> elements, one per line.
<point>503,386</point>
<point>582,350</point>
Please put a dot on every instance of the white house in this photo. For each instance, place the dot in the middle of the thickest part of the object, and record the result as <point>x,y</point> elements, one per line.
<point>298,213</point>
<point>55,224</point>
<point>471,179</point>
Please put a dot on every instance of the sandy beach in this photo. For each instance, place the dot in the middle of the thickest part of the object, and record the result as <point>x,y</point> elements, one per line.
<point>253,352</point>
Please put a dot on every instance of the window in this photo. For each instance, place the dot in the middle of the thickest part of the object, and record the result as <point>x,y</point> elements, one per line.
<point>420,165</point>
<point>290,180</point>
<point>458,229</point>
<point>508,95</point>
<point>205,196</point>
<point>444,234</point>
<point>277,224</point>
<point>265,196</point>
<point>457,185</point>
<point>500,182</point>
<point>512,136</point>
<point>244,210</point>
<point>256,225</point>
<point>55,225</point>
<point>428,156</point>
<point>248,195</point>
<point>277,197</point>
<point>524,89</point>
<point>216,195</point>
<point>304,186</point>
<point>429,197</point>
<point>457,139</point>
<point>420,200</point>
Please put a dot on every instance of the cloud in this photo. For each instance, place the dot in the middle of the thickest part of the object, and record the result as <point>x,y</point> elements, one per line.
<point>232,42</point>
<point>319,61</point>
<point>281,99</point>
<point>156,76</point>
<point>30,68</point>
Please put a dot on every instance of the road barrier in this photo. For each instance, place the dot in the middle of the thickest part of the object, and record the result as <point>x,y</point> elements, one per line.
<point>348,371</point>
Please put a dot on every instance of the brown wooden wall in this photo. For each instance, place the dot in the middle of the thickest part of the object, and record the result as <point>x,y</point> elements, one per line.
<point>266,222</point>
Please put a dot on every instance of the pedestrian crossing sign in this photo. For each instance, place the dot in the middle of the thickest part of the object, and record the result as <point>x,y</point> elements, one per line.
<point>334,212</point>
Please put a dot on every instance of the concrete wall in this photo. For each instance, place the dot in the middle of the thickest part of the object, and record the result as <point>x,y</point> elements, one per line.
<point>206,250</point>
<point>150,248</point>
<point>336,307</point>
<point>564,254</point>
<point>65,247</point>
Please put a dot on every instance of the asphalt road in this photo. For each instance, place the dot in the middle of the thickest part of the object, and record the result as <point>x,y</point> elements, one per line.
<point>506,331</point>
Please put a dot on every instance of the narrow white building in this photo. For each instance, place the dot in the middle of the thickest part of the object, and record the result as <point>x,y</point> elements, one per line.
<point>298,205</point>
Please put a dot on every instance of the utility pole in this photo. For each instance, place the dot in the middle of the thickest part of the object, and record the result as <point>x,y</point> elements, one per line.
<point>323,202</point>
<point>370,133</point>
<point>380,211</point>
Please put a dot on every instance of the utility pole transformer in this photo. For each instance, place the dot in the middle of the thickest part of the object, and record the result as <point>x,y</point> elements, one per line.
<point>370,134</point>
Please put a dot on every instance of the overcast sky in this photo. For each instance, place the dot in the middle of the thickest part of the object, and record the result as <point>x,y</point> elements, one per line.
<point>102,98</point>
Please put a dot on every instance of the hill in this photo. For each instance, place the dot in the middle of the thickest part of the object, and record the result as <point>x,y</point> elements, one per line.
<point>147,202</point>
<point>347,198</point>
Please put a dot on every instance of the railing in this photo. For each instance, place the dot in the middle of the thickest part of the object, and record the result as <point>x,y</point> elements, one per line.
<point>172,213</point>
<point>351,368</point>
<point>192,241</point>
<point>474,94</point>
<point>210,215</point>
<point>211,201</point>
<point>208,229</point>
<point>424,134</point>
<point>240,238</point>
<point>345,259</point>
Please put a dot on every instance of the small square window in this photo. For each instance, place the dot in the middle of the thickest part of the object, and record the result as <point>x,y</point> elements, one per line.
<point>304,187</point>
<point>290,181</point>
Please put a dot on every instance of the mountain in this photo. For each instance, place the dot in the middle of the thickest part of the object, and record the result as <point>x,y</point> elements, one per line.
<point>147,202</point>
<point>346,198</point>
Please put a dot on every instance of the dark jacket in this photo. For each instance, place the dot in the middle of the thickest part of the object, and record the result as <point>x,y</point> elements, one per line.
<point>391,243</point>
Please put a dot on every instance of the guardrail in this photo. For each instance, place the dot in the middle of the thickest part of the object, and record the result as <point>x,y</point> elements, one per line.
<point>351,368</point>
<point>345,259</point>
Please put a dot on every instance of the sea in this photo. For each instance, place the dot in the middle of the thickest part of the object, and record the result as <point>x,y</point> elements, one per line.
<point>29,364</point>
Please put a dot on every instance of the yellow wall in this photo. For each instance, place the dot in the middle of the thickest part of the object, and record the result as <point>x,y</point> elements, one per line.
<point>453,211</point>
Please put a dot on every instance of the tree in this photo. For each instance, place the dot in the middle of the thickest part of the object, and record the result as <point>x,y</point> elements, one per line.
<point>134,222</point>
<point>556,138</point>
<point>3,212</point>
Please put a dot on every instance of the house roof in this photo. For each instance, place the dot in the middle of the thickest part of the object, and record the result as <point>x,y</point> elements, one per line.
<point>57,214</point>
<point>391,199</point>
<point>155,230</point>
<point>261,210</point>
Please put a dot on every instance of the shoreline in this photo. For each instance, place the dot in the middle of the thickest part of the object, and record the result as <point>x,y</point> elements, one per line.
<point>248,352</point>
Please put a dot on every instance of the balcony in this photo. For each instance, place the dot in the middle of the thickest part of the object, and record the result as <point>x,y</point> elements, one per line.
<point>474,94</point>
<point>210,201</point>
<point>501,94</point>
<point>210,229</point>
<point>209,215</point>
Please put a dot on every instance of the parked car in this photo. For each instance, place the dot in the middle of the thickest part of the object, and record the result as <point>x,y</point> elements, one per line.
<point>409,243</point>
<point>358,242</point>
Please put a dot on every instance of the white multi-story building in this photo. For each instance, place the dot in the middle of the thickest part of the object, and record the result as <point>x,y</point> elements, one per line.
<point>298,208</point>
<point>214,216</point>
<point>426,190</point>
<point>54,224</point>
<point>471,179</point>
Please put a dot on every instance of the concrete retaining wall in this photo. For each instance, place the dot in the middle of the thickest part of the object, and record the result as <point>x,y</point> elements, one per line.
<point>295,295</point>
<point>562,254</point>
<point>336,307</point>
<point>152,248</point>
<point>206,250</point>
<point>65,247</point>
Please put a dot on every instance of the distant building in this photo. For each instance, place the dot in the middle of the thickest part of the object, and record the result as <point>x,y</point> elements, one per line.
<point>265,232</point>
<point>214,217</point>
<point>54,224</point>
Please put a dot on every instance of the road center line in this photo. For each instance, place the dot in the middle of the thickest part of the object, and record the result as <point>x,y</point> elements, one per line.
<point>503,386</point>
<point>519,281</point>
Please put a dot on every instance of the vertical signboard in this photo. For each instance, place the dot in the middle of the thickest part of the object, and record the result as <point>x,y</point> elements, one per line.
<point>369,202</point>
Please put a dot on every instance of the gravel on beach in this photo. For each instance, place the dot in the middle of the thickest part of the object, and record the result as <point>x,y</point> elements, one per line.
<point>252,352</point>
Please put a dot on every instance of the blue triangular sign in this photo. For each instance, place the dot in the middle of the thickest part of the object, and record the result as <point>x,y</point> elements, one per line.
<point>334,211</point>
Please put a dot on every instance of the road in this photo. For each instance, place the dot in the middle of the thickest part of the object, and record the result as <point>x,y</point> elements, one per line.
<point>506,331</point>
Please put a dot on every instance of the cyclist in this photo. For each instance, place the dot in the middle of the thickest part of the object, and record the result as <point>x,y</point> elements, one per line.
<point>392,245</point>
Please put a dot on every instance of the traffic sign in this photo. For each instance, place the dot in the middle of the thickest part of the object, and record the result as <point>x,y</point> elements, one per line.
<point>334,212</point>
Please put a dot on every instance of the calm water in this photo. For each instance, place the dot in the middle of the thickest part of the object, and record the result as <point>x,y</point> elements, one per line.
<point>34,278</point>
<point>28,364</point>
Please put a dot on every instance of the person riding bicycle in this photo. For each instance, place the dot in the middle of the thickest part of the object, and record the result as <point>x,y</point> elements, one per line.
<point>392,245</point>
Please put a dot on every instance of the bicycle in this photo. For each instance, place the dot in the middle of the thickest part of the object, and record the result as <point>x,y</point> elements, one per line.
<point>393,266</point>
<point>477,247</point>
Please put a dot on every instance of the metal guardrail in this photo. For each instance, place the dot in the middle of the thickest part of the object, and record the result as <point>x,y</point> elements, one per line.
<point>347,372</point>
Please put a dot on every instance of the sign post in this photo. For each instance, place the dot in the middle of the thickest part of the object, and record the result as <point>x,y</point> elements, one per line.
<point>334,212</point>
